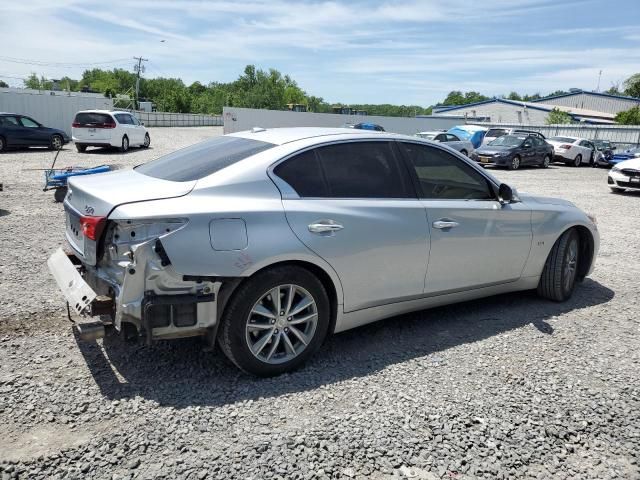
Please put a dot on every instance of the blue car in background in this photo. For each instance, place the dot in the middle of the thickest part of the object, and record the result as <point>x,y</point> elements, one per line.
<point>369,126</point>
<point>472,133</point>
<point>21,131</point>
<point>622,156</point>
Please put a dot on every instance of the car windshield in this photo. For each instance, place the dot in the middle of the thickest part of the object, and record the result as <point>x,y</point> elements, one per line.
<point>507,141</point>
<point>428,136</point>
<point>202,159</point>
<point>562,139</point>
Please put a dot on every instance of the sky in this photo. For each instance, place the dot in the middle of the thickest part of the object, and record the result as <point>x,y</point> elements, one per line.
<point>401,52</point>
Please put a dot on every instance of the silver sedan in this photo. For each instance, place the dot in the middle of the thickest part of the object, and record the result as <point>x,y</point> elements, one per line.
<point>268,241</point>
<point>465,147</point>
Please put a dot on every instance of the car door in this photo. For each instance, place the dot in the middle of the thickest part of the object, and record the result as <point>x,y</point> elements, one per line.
<point>541,149</point>
<point>475,240</point>
<point>137,129</point>
<point>37,134</point>
<point>355,206</point>
<point>11,129</point>
<point>528,152</point>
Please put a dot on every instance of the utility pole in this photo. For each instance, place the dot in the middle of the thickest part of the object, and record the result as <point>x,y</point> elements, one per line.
<point>599,77</point>
<point>138,68</point>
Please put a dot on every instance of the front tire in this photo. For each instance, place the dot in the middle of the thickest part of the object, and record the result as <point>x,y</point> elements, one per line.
<point>464,152</point>
<point>125,144</point>
<point>546,161</point>
<point>617,190</point>
<point>515,163</point>
<point>147,141</point>
<point>558,278</point>
<point>56,142</point>
<point>275,321</point>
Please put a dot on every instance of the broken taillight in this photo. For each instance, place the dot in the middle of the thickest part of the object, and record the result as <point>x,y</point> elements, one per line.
<point>92,226</point>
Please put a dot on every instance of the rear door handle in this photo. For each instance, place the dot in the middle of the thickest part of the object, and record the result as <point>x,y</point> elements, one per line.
<point>442,224</point>
<point>324,226</point>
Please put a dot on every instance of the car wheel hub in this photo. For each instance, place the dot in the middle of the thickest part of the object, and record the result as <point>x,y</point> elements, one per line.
<point>281,324</point>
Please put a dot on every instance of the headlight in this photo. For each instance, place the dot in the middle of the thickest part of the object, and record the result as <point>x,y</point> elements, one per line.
<point>615,168</point>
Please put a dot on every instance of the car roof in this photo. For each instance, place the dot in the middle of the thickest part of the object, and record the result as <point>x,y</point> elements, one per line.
<point>101,111</point>
<point>280,136</point>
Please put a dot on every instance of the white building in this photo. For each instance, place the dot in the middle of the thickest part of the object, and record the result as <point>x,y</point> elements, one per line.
<point>501,110</point>
<point>600,102</point>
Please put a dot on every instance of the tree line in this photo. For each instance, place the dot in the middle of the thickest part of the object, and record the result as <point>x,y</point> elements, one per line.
<point>270,89</point>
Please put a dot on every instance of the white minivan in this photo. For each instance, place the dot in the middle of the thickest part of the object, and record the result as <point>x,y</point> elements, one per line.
<point>105,128</point>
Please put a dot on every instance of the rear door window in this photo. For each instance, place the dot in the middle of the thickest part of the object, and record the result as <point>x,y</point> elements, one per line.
<point>202,159</point>
<point>123,118</point>
<point>9,122</point>
<point>348,170</point>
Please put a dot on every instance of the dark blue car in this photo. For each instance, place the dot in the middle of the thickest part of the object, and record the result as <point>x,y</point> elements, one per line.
<point>21,131</point>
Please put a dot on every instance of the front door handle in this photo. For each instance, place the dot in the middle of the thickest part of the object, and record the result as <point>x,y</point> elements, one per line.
<point>442,224</point>
<point>324,226</point>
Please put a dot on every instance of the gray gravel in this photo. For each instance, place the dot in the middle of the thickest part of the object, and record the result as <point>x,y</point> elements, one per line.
<point>507,387</point>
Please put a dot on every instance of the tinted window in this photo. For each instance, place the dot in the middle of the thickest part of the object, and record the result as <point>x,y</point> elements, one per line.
<point>8,121</point>
<point>441,138</point>
<point>202,159</point>
<point>123,118</point>
<point>538,142</point>
<point>87,119</point>
<point>452,138</point>
<point>495,132</point>
<point>363,170</point>
<point>443,176</point>
<point>27,122</point>
<point>304,175</point>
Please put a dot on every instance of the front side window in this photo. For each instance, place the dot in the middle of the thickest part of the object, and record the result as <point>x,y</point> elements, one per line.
<point>202,159</point>
<point>442,176</point>
<point>133,120</point>
<point>27,122</point>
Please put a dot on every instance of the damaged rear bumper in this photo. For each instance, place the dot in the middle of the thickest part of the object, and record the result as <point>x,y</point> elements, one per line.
<point>143,291</point>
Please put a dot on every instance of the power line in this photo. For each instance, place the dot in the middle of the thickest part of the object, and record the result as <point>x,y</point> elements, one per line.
<point>40,63</point>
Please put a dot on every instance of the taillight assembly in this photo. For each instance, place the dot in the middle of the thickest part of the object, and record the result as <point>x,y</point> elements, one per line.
<point>75,125</point>
<point>92,227</point>
<point>108,125</point>
<point>565,146</point>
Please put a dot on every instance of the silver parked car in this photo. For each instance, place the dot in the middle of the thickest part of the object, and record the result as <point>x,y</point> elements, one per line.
<point>465,147</point>
<point>269,240</point>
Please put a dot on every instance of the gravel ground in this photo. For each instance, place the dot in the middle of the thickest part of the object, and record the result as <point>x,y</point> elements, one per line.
<point>507,387</point>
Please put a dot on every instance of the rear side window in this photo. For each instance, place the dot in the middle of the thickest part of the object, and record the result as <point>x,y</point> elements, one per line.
<point>88,119</point>
<point>202,159</point>
<point>8,122</point>
<point>445,177</point>
<point>304,174</point>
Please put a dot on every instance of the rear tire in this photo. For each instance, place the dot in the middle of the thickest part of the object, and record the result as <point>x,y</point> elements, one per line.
<point>81,148</point>
<point>239,331</point>
<point>125,144</point>
<point>59,194</point>
<point>558,278</point>
<point>577,161</point>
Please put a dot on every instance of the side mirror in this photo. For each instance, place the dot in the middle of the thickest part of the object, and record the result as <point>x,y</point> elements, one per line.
<point>142,123</point>
<point>505,193</point>
<point>526,145</point>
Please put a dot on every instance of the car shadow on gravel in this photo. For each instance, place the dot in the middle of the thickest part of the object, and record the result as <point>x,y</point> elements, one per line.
<point>4,213</point>
<point>113,151</point>
<point>183,373</point>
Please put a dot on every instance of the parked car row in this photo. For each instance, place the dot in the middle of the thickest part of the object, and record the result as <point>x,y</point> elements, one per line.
<point>90,128</point>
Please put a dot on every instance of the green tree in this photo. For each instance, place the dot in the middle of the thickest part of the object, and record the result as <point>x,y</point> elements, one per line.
<point>629,117</point>
<point>558,117</point>
<point>514,96</point>
<point>632,86</point>
<point>36,83</point>
<point>456,97</point>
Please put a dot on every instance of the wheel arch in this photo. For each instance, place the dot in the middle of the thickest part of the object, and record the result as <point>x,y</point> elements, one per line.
<point>331,285</point>
<point>587,247</point>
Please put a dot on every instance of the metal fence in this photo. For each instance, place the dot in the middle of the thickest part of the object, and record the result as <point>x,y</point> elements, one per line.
<point>166,119</point>
<point>618,134</point>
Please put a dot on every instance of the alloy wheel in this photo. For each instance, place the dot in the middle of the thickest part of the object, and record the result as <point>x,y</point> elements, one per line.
<point>577,161</point>
<point>56,142</point>
<point>546,161</point>
<point>281,324</point>
<point>147,140</point>
<point>570,264</point>
<point>515,163</point>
